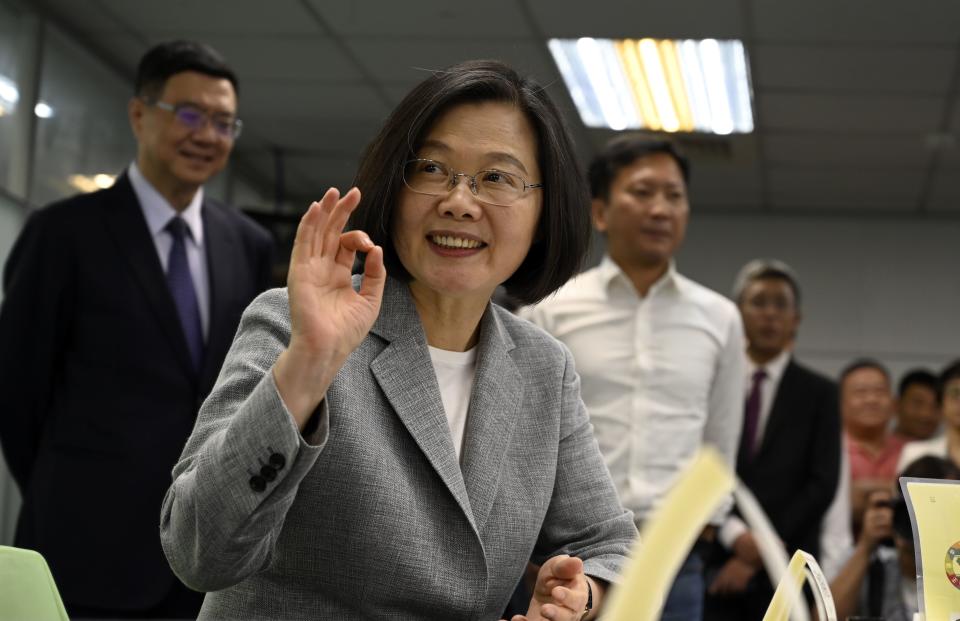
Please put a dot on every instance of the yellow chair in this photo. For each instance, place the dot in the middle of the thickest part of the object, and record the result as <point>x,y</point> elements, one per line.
<point>27,590</point>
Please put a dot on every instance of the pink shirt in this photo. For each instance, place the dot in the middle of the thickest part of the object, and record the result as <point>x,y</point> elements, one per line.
<point>865,465</point>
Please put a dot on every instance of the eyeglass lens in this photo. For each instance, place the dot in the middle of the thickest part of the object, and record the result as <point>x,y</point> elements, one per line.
<point>492,186</point>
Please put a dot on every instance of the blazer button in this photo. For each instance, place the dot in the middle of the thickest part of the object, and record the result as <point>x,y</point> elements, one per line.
<point>268,473</point>
<point>258,483</point>
<point>278,461</point>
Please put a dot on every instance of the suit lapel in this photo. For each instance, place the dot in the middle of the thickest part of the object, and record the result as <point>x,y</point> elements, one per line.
<point>780,410</point>
<point>126,224</point>
<point>222,265</point>
<point>494,401</point>
<point>405,374</point>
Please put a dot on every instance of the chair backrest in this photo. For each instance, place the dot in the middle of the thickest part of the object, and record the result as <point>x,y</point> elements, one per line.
<point>27,590</point>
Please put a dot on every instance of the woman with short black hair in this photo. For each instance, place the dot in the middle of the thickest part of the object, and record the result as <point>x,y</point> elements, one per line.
<point>391,444</point>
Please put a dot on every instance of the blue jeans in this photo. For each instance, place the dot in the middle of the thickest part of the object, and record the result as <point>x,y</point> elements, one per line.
<point>685,599</point>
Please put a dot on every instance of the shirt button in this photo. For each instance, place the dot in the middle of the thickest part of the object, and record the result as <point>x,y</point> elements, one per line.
<point>278,461</point>
<point>258,483</point>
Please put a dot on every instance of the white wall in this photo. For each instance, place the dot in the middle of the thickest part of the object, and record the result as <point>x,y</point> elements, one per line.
<point>881,286</point>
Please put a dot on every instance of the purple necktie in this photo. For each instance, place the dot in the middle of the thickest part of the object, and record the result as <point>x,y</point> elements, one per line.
<point>751,415</point>
<point>184,295</point>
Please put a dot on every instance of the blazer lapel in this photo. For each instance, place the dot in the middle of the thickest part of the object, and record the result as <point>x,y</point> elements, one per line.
<point>126,224</point>
<point>405,374</point>
<point>492,418</point>
<point>222,265</point>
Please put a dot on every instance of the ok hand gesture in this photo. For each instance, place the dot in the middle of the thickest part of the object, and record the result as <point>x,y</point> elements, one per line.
<point>328,319</point>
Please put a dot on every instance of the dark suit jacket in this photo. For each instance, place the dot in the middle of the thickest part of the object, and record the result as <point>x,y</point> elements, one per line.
<point>795,471</point>
<point>793,475</point>
<point>98,392</point>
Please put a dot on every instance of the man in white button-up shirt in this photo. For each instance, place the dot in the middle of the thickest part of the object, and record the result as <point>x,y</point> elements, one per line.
<point>660,357</point>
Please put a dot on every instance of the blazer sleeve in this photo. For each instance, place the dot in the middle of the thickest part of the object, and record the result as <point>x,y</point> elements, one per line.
<point>810,502</point>
<point>585,516</point>
<point>216,526</point>
<point>34,322</point>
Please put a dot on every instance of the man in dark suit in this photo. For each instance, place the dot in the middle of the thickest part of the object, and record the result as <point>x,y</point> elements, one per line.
<point>119,308</point>
<point>789,454</point>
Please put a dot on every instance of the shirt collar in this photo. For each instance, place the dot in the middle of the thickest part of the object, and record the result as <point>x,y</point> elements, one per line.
<point>610,272</point>
<point>157,209</point>
<point>774,368</point>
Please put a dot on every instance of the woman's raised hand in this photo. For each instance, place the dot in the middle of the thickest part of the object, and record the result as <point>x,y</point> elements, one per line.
<point>328,317</point>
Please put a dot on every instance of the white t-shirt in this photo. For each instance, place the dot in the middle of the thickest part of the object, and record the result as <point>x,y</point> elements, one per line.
<point>455,372</point>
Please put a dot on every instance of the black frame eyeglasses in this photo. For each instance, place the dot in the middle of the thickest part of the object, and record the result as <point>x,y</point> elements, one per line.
<point>497,187</point>
<point>196,118</point>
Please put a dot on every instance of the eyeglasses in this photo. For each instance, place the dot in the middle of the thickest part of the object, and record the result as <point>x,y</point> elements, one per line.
<point>196,118</point>
<point>491,186</point>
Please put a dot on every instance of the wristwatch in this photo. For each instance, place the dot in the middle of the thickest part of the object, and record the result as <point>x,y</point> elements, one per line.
<point>589,606</point>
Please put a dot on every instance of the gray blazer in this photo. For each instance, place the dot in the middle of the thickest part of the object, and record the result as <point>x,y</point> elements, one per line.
<point>371,516</point>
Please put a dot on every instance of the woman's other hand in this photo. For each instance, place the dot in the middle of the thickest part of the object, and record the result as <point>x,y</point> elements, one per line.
<point>561,591</point>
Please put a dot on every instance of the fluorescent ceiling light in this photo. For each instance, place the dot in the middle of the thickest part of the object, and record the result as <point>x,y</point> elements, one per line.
<point>658,84</point>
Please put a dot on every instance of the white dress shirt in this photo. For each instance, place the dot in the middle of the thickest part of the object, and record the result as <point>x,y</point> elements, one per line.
<point>733,527</point>
<point>158,212</point>
<point>661,374</point>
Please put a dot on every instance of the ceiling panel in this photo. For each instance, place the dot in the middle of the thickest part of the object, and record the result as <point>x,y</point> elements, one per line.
<point>407,61</point>
<point>321,135</point>
<point>727,185</point>
<point>895,22</point>
<point>917,71</point>
<point>431,18</point>
<point>826,149</point>
<point>311,100</point>
<point>658,18</point>
<point>837,188</point>
<point>182,18</point>
<point>945,192</point>
<point>881,114</point>
<point>294,57</point>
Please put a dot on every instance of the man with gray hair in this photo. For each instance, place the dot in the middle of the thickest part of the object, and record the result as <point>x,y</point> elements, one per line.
<point>789,452</point>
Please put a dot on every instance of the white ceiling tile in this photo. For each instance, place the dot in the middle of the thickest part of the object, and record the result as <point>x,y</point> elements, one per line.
<point>838,188</point>
<point>914,70</point>
<point>890,21</point>
<point>192,18</point>
<point>891,114</point>
<point>294,57</point>
<point>875,151</point>
<point>432,18</point>
<point>724,185</point>
<point>944,192</point>
<point>345,138</point>
<point>660,19</point>
<point>408,61</point>
<point>310,100</point>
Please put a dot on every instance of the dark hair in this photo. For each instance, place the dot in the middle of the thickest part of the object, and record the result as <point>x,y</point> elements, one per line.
<point>863,363</point>
<point>173,57</point>
<point>563,232</point>
<point>624,151</point>
<point>920,377</point>
<point>949,373</point>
